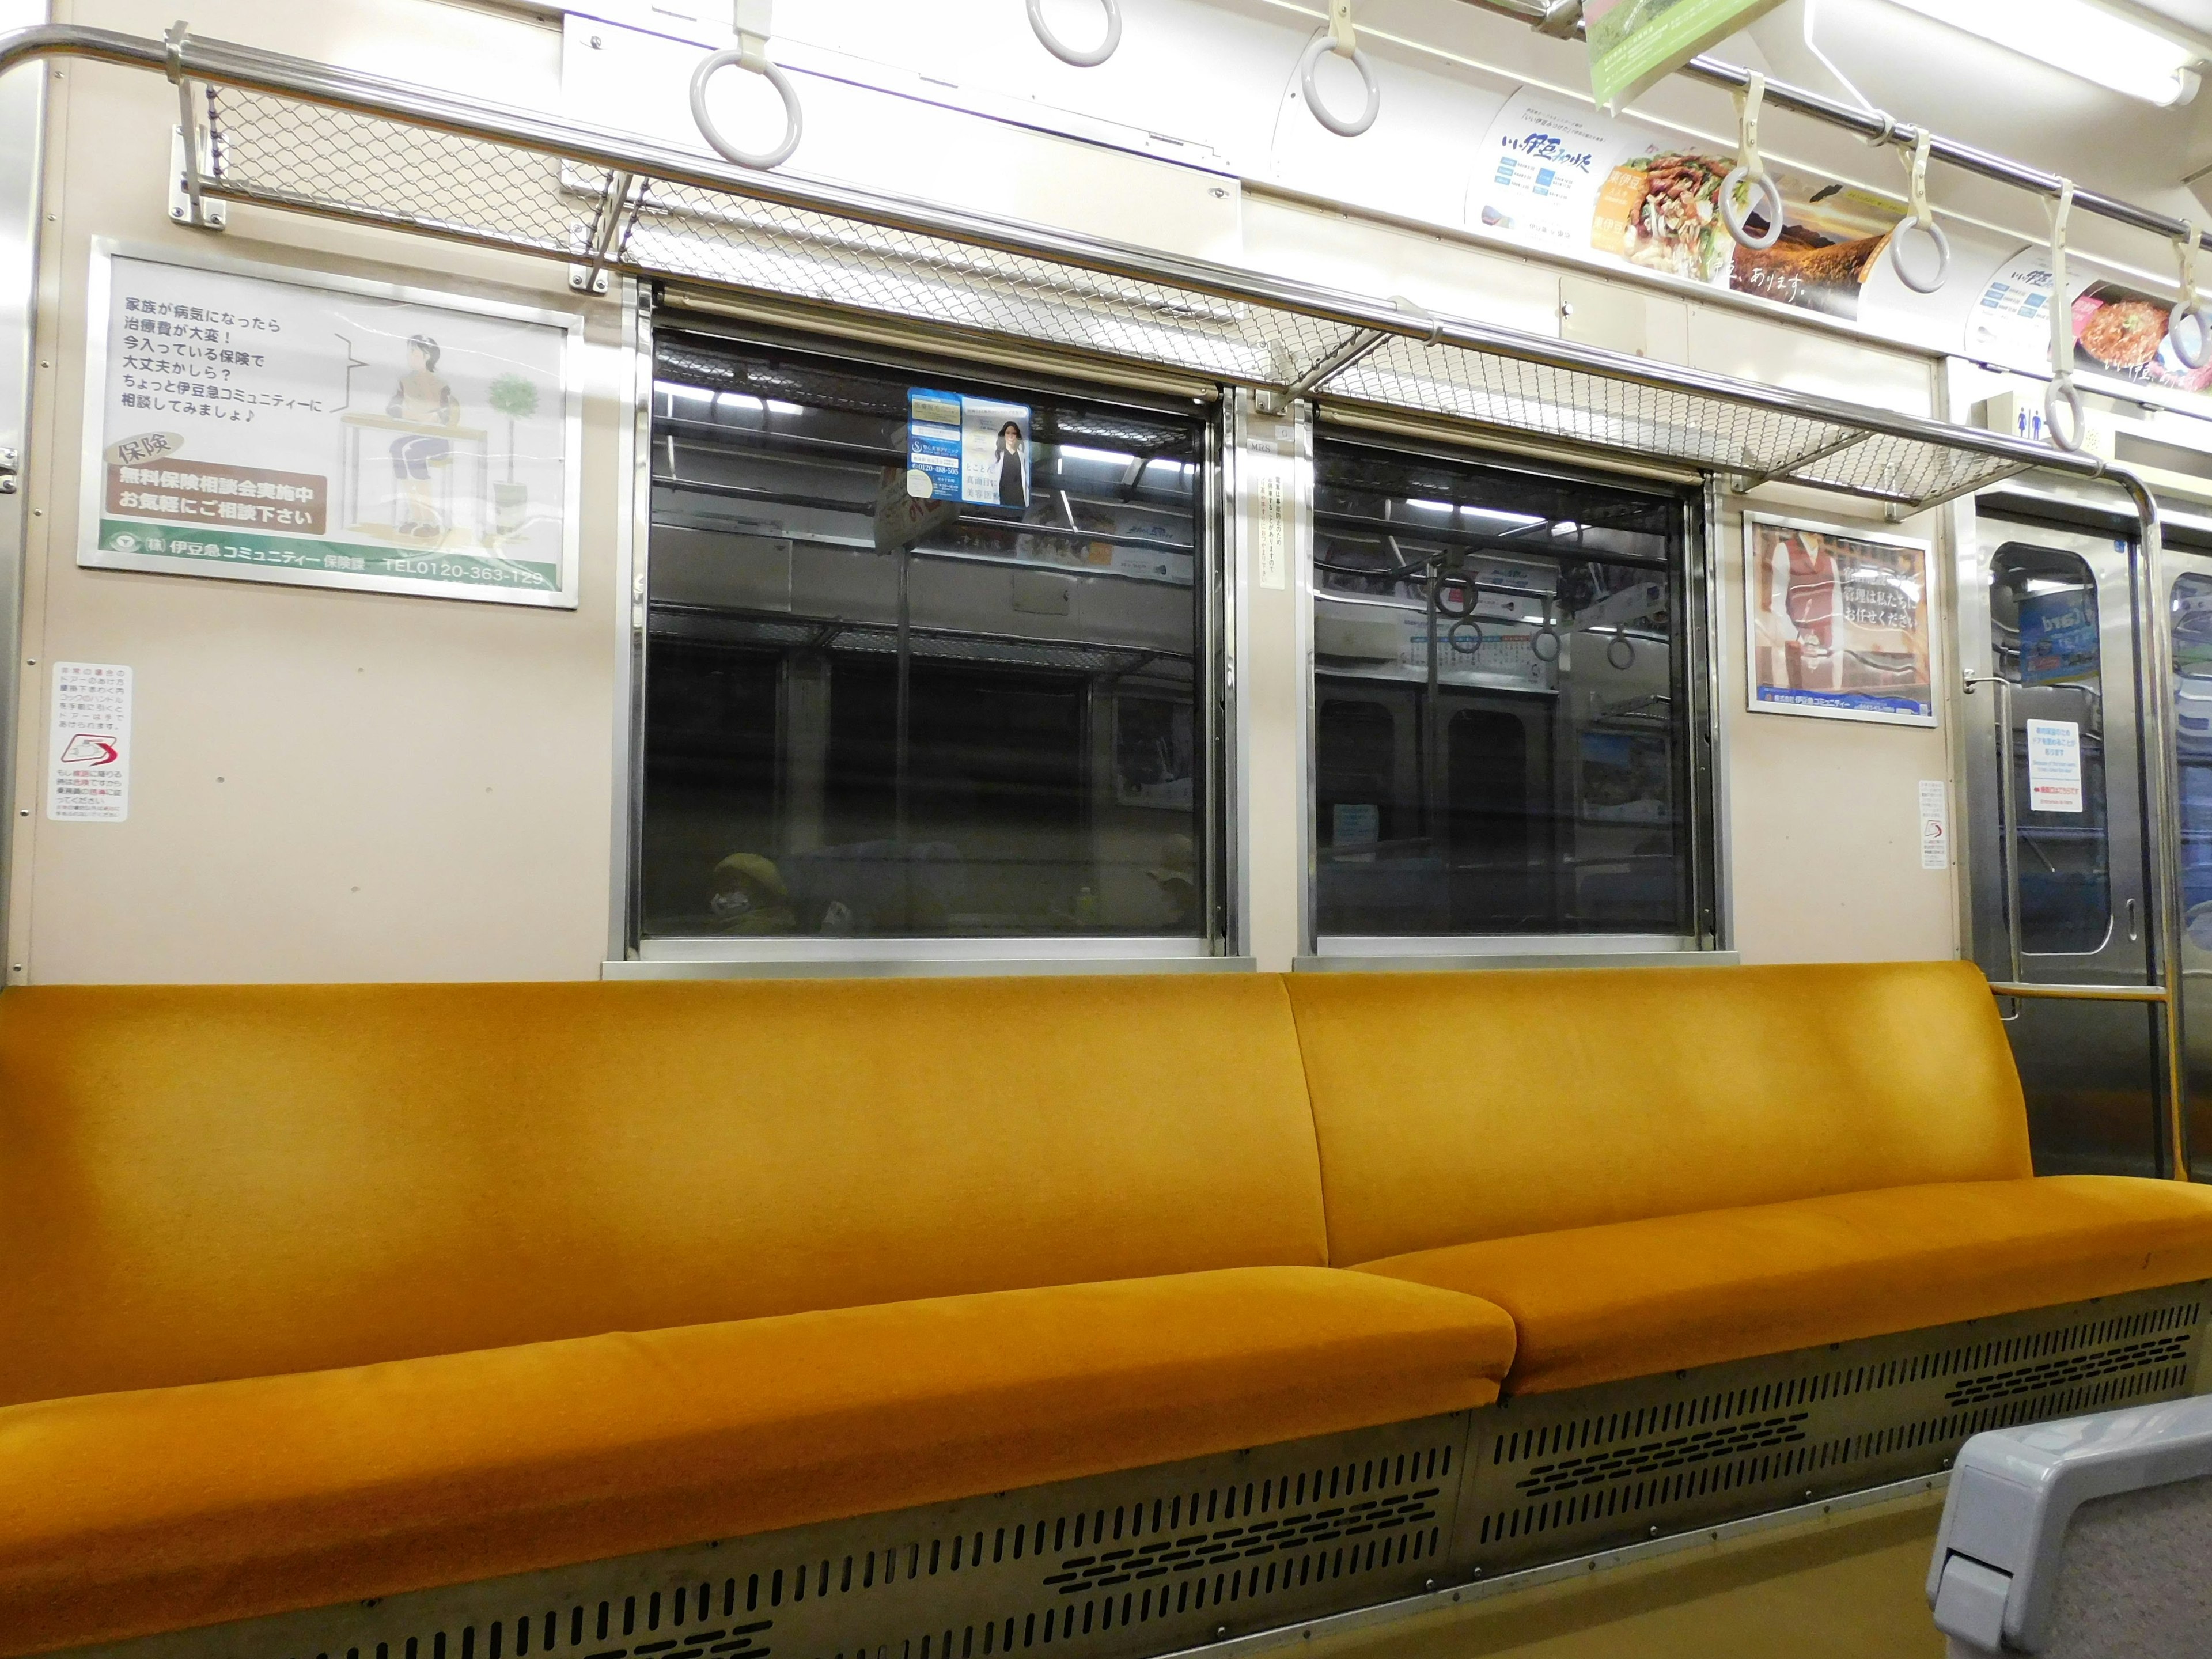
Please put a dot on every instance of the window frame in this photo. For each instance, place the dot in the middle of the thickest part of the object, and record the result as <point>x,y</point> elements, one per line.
<point>632,954</point>
<point>1700,503</point>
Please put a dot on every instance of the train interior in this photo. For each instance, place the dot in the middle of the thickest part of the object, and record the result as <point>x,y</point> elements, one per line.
<point>882,829</point>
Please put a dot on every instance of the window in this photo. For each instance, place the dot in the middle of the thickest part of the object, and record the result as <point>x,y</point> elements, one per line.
<point>870,713</point>
<point>1501,702</point>
<point>2044,633</point>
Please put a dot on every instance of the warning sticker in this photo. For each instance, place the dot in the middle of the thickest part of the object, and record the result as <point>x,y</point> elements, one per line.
<point>90,782</point>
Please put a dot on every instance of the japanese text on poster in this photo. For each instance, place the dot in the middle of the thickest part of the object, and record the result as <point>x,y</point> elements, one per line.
<point>2054,766</point>
<point>280,430</point>
<point>90,753</point>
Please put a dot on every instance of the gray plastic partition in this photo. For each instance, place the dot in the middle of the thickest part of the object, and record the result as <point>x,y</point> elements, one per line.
<point>2088,1537</point>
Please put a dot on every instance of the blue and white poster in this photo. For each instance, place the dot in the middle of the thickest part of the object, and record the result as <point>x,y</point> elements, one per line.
<point>972,449</point>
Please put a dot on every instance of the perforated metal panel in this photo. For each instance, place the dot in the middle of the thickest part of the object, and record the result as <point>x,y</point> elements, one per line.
<point>437,165</point>
<point>1143,1563</point>
<point>1551,1476</point>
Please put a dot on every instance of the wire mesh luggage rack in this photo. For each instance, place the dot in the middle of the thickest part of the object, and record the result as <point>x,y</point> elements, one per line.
<point>290,134</point>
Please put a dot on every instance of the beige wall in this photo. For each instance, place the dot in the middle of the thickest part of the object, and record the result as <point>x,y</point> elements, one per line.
<point>328,785</point>
<point>333,785</point>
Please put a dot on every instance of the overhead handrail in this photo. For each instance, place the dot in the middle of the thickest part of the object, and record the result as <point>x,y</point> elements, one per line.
<point>2188,326</point>
<point>2062,393</point>
<point>1913,270</point>
<point>1750,178</point>
<point>751,19</point>
<point>1074,57</point>
<point>1340,39</point>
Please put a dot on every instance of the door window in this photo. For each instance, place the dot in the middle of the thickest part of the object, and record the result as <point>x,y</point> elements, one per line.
<point>1501,700</point>
<point>870,710</point>
<point>2044,636</point>
<point>2192,698</point>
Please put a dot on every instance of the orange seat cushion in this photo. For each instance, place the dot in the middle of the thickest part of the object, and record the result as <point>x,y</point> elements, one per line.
<point>165,1508</point>
<point>1595,1304</point>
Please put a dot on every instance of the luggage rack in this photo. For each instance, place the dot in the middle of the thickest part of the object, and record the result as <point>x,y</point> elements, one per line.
<point>260,129</point>
<point>281,132</point>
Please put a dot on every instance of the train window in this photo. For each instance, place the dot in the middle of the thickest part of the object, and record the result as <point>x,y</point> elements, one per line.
<point>1500,701</point>
<point>2044,634</point>
<point>869,713</point>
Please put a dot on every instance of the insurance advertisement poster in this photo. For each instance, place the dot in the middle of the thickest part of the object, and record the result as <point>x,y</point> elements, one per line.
<point>288,427</point>
<point>972,449</point>
<point>1838,623</point>
<point>1633,43</point>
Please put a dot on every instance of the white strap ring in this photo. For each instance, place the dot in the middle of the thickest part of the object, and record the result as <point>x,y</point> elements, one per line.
<point>1922,273</point>
<point>746,58</point>
<point>1067,54</point>
<point>2069,434</point>
<point>2188,331</point>
<point>1736,218</point>
<point>1336,123</point>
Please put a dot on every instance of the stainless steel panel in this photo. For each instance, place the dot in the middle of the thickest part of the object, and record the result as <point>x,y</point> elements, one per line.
<point>2078,887</point>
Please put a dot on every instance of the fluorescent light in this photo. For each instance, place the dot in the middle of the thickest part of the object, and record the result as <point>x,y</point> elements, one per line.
<point>742,399</point>
<point>1512,521</point>
<point>1429,507</point>
<point>1105,457</point>
<point>2079,37</point>
<point>1566,528</point>
<point>777,406</point>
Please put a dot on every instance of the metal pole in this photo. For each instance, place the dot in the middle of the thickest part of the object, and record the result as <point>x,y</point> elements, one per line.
<point>2159,728</point>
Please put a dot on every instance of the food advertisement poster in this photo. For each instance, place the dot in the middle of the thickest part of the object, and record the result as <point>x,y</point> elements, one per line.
<point>1552,176</point>
<point>283,426</point>
<point>1836,623</point>
<point>1632,43</point>
<point>2119,333</point>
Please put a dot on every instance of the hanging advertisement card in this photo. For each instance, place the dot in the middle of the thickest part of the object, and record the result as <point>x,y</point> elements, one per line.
<point>1541,165</point>
<point>272,425</point>
<point>972,449</point>
<point>1635,43</point>
<point>1836,623</point>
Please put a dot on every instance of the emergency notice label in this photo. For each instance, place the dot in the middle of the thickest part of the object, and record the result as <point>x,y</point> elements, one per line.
<point>90,779</point>
<point>2054,766</point>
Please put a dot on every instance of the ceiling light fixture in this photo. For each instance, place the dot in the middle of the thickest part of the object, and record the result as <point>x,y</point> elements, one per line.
<point>2080,38</point>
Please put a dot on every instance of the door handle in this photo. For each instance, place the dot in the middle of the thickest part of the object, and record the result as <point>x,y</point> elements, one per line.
<point>2008,890</point>
<point>2134,932</point>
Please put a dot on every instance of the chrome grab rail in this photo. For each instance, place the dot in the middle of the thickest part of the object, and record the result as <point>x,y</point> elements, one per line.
<point>2009,794</point>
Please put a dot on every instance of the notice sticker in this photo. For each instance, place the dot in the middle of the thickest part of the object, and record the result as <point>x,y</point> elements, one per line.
<point>2054,766</point>
<point>90,782</point>
<point>1271,501</point>
<point>1935,825</point>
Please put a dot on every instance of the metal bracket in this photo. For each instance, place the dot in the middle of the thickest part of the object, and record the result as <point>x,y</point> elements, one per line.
<point>192,149</point>
<point>11,469</point>
<point>592,277</point>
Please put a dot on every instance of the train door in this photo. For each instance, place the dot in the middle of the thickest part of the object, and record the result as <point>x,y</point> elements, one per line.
<point>2189,609</point>
<point>2056,798</point>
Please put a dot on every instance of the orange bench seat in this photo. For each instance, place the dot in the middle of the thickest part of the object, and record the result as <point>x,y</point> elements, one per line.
<point>184,1506</point>
<point>1634,1298</point>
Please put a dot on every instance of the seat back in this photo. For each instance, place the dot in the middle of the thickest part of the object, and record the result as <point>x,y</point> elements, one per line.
<point>199,1183</point>
<point>1457,1107</point>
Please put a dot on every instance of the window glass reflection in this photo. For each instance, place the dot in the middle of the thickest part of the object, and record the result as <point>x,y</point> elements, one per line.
<point>873,712</point>
<point>1500,713</point>
<point>2044,633</point>
<point>2192,697</point>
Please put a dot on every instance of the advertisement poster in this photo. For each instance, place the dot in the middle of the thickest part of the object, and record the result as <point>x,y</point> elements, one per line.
<point>1836,623</point>
<point>291,428</point>
<point>1634,42</point>
<point>2058,639</point>
<point>971,450</point>
<point>90,746</point>
<point>1537,176</point>
<point>1659,210</point>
